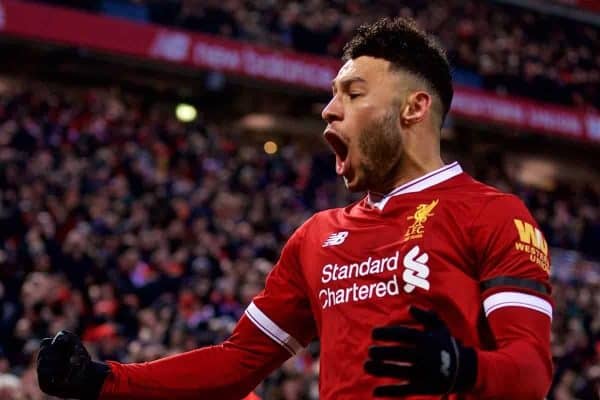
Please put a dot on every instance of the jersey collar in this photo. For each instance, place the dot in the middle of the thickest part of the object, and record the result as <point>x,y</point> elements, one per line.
<point>416,185</point>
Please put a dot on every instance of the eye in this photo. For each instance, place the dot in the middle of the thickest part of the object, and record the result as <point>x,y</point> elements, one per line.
<point>354,95</point>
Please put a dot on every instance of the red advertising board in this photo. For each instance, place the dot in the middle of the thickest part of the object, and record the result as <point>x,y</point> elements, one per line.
<point>149,41</point>
<point>593,5</point>
<point>525,114</point>
<point>152,42</point>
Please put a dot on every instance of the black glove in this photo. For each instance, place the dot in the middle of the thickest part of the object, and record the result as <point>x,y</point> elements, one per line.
<point>65,368</point>
<point>433,361</point>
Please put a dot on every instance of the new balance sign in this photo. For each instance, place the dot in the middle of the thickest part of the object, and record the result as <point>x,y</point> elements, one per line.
<point>335,239</point>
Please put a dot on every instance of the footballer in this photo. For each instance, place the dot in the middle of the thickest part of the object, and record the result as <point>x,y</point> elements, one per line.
<point>433,285</point>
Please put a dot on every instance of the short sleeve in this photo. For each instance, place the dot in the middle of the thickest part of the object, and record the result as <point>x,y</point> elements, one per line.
<point>282,310</point>
<point>512,257</point>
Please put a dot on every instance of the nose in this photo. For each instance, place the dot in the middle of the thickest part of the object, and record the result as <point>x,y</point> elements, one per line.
<point>333,111</point>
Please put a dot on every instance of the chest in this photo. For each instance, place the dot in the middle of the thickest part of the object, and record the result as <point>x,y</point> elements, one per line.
<point>372,272</point>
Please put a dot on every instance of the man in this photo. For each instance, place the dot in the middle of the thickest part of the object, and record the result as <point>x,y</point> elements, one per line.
<point>452,274</point>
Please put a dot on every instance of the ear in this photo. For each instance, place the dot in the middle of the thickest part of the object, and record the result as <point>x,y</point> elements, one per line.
<point>416,108</point>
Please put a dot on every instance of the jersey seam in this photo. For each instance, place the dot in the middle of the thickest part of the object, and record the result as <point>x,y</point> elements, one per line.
<point>300,245</point>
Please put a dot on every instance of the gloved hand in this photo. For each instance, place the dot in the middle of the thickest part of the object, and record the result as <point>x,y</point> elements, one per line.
<point>433,361</point>
<point>65,368</point>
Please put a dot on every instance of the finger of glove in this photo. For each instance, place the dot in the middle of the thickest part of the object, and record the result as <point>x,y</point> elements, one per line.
<point>50,354</point>
<point>80,355</point>
<point>43,347</point>
<point>428,318</point>
<point>50,386</point>
<point>78,363</point>
<point>394,390</point>
<point>381,369</point>
<point>65,340</point>
<point>66,344</point>
<point>54,357</point>
<point>393,353</point>
<point>397,334</point>
<point>53,365</point>
<point>45,342</point>
<point>60,347</point>
<point>51,378</point>
<point>46,381</point>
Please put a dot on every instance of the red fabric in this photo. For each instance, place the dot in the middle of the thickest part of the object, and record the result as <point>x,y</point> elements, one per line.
<point>226,372</point>
<point>520,368</point>
<point>285,298</point>
<point>497,231</point>
<point>346,271</point>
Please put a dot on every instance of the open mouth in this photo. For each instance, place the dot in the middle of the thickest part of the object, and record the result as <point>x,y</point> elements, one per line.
<point>340,148</point>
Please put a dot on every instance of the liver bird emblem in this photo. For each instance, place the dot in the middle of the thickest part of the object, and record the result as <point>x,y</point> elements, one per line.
<point>424,211</point>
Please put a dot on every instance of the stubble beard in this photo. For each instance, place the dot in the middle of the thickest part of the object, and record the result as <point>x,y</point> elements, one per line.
<point>380,145</point>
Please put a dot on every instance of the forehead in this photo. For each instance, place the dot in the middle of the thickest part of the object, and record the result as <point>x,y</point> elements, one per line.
<point>369,69</point>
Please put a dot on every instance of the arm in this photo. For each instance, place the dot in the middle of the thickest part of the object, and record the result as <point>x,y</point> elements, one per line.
<point>273,328</point>
<point>433,361</point>
<point>276,325</point>
<point>521,366</point>
<point>515,293</point>
<point>513,270</point>
<point>226,371</point>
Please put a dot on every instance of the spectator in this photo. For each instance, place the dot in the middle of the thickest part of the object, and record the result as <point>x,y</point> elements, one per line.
<point>510,49</point>
<point>148,237</point>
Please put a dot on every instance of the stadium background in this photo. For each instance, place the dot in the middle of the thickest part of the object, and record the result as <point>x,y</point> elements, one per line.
<point>148,235</point>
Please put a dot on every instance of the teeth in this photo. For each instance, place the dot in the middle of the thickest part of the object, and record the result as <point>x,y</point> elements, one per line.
<point>339,165</point>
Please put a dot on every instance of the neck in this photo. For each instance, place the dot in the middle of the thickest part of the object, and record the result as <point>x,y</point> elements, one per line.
<point>418,184</point>
<point>411,168</point>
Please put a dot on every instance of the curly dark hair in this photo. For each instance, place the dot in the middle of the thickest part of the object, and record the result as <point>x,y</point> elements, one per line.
<point>402,43</point>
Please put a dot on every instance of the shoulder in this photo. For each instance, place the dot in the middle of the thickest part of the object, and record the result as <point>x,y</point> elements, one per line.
<point>470,202</point>
<point>502,219</point>
<point>323,218</point>
<point>484,199</point>
<point>319,221</point>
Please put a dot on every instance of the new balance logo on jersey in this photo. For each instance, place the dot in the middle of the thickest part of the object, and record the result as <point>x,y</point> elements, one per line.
<point>336,239</point>
<point>416,270</point>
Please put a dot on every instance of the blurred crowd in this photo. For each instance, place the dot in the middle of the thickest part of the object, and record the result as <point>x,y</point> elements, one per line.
<point>504,48</point>
<point>148,237</point>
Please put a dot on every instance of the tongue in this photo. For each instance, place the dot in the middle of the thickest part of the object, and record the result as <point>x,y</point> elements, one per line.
<point>339,165</point>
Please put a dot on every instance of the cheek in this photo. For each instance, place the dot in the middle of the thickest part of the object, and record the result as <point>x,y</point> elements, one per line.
<point>358,118</point>
<point>371,142</point>
<point>380,142</point>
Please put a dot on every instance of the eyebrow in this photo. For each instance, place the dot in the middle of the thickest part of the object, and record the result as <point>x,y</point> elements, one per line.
<point>347,82</point>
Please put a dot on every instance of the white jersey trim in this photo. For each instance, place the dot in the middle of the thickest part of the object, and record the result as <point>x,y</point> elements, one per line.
<point>516,299</point>
<point>416,185</point>
<point>272,330</point>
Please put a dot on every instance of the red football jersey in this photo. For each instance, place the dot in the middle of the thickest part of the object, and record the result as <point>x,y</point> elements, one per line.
<point>445,242</point>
